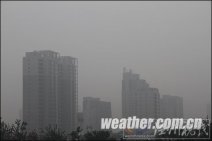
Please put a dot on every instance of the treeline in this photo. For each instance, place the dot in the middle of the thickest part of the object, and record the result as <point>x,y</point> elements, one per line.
<point>18,131</point>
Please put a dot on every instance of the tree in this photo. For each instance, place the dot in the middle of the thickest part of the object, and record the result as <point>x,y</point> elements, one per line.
<point>32,136</point>
<point>53,133</point>
<point>97,135</point>
<point>6,131</point>
<point>75,135</point>
<point>19,130</point>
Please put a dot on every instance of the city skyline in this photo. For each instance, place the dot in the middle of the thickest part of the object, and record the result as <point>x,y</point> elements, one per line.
<point>50,95</point>
<point>50,86</point>
<point>134,77</point>
<point>167,43</point>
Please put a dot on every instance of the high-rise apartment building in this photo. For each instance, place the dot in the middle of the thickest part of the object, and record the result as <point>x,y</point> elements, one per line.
<point>138,99</point>
<point>49,90</point>
<point>171,106</point>
<point>93,110</point>
<point>67,93</point>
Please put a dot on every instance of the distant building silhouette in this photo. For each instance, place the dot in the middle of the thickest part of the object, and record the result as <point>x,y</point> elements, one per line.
<point>93,111</point>
<point>171,106</point>
<point>138,99</point>
<point>49,90</point>
<point>67,87</point>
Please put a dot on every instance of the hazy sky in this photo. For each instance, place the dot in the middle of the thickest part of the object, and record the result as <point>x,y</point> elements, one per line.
<point>167,43</point>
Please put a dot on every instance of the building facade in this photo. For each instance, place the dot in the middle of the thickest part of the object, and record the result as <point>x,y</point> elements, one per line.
<point>67,93</point>
<point>93,110</point>
<point>49,90</point>
<point>138,99</point>
<point>171,106</point>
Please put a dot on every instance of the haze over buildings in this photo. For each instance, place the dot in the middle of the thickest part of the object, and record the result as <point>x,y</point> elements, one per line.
<point>171,106</point>
<point>50,95</point>
<point>49,90</point>
<point>93,110</point>
<point>167,42</point>
<point>138,99</point>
